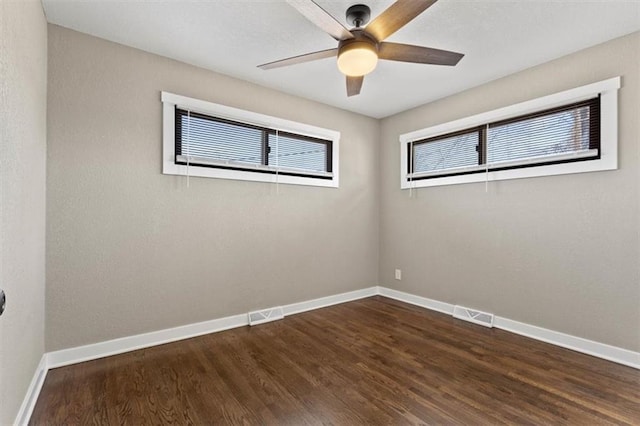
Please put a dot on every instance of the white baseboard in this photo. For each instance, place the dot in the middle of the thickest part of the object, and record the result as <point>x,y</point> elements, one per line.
<point>296,308</point>
<point>131,343</point>
<point>578,344</point>
<point>33,391</point>
<point>434,305</point>
<point>126,344</point>
<point>140,341</point>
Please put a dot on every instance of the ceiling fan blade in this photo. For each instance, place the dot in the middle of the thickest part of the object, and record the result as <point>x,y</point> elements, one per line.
<point>354,84</point>
<point>307,57</point>
<point>321,18</point>
<point>396,16</point>
<point>417,54</point>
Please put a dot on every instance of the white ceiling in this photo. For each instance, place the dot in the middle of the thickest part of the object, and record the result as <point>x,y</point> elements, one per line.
<point>232,37</point>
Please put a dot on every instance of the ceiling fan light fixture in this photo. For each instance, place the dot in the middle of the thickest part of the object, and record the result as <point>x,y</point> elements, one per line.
<point>360,47</point>
<point>357,58</point>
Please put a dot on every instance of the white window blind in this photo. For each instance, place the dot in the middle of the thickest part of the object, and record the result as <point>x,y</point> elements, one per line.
<point>295,153</point>
<point>447,153</point>
<point>208,141</point>
<point>563,134</point>
<point>545,136</point>
<point>217,140</point>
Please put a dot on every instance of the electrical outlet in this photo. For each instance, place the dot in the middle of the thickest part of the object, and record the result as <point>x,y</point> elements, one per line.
<point>398,274</point>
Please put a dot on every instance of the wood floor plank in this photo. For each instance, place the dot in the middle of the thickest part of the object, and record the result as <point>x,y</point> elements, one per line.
<point>374,361</point>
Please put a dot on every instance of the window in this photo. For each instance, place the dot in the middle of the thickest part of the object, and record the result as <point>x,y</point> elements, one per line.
<point>565,134</point>
<point>202,140</point>
<point>210,140</point>
<point>569,132</point>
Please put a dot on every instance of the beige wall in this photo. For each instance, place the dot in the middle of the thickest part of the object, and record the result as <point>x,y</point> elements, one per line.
<point>23,91</point>
<point>130,250</point>
<point>560,252</point>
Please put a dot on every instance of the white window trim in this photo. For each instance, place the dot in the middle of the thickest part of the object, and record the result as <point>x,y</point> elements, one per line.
<point>608,91</point>
<point>170,101</point>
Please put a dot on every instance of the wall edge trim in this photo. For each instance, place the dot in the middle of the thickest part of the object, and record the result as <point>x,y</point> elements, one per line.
<point>33,392</point>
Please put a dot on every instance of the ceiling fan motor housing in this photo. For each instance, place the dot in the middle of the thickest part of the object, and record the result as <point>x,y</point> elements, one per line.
<point>359,38</point>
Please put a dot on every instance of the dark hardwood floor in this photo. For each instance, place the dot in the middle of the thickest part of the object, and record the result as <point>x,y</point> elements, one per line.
<point>372,361</point>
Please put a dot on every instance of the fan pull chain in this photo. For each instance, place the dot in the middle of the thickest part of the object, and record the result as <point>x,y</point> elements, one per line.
<point>188,143</point>
<point>277,163</point>
<point>486,159</point>
<point>411,165</point>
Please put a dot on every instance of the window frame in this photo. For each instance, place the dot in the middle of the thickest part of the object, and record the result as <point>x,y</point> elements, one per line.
<point>172,165</point>
<point>607,90</point>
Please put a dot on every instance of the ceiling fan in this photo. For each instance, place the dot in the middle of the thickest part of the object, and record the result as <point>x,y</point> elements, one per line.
<point>360,48</point>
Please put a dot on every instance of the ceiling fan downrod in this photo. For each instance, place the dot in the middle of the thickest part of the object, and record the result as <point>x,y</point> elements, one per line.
<point>358,15</point>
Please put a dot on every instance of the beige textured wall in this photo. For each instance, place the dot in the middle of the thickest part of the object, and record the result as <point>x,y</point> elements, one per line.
<point>560,252</point>
<point>130,250</point>
<point>23,91</point>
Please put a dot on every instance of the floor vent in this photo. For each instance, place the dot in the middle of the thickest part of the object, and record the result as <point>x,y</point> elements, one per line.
<point>477,317</point>
<point>265,315</point>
